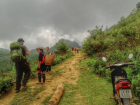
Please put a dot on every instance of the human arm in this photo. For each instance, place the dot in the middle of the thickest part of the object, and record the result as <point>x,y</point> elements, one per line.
<point>39,64</point>
<point>26,50</point>
<point>40,60</point>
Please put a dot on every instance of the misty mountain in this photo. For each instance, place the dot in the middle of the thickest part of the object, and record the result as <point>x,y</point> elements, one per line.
<point>4,52</point>
<point>4,49</point>
<point>80,43</point>
<point>71,44</point>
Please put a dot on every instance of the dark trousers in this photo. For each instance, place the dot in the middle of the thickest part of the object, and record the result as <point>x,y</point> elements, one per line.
<point>20,68</point>
<point>48,68</point>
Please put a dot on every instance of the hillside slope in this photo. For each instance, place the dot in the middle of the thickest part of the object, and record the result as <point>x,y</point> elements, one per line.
<point>116,44</point>
<point>122,36</point>
<point>4,52</point>
<point>81,87</point>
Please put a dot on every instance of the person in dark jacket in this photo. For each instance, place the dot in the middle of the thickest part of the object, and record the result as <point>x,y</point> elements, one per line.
<point>41,65</point>
<point>77,50</point>
<point>22,67</point>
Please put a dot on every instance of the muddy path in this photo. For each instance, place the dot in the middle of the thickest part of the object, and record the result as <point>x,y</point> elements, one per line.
<point>69,70</point>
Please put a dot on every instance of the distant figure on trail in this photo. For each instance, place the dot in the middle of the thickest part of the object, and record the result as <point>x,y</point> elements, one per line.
<point>75,49</point>
<point>41,65</point>
<point>22,65</point>
<point>48,53</point>
<point>72,49</point>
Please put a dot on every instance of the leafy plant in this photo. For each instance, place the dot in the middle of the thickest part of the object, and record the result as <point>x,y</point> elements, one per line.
<point>61,47</point>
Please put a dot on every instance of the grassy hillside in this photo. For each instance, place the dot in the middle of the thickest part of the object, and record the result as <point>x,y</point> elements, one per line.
<point>116,44</point>
<point>123,35</point>
<point>4,60</point>
<point>3,52</point>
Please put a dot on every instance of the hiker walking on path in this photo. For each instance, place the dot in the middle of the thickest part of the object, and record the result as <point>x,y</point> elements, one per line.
<point>72,49</point>
<point>22,66</point>
<point>41,65</point>
<point>75,49</point>
<point>48,53</point>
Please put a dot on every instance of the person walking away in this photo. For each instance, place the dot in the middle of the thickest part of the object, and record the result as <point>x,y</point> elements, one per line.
<point>72,49</point>
<point>18,55</point>
<point>48,53</point>
<point>41,66</point>
<point>77,50</point>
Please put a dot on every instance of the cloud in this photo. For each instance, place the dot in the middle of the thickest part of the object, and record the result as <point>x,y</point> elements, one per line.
<point>29,18</point>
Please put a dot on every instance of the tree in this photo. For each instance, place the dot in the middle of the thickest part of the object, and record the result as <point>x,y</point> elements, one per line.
<point>138,6</point>
<point>106,29</point>
<point>122,18</point>
<point>97,31</point>
<point>61,46</point>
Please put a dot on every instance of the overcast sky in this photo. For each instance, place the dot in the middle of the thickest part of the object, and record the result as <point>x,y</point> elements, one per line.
<point>44,22</point>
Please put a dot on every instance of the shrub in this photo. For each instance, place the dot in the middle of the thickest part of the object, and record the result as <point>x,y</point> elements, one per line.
<point>88,46</point>
<point>61,47</point>
<point>133,72</point>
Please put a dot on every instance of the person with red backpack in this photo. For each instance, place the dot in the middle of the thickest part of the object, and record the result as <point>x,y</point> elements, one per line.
<point>41,65</point>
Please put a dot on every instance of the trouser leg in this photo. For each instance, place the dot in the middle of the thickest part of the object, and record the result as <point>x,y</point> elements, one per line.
<point>39,75</point>
<point>49,68</point>
<point>43,76</point>
<point>26,77</point>
<point>27,74</point>
<point>19,74</point>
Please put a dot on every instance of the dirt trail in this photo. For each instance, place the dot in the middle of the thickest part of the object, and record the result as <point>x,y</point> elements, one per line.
<point>70,74</point>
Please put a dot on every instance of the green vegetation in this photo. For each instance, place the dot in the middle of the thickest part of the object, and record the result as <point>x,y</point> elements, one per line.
<point>90,89</point>
<point>71,44</point>
<point>119,41</point>
<point>4,58</point>
<point>61,58</point>
<point>46,100</point>
<point>138,6</point>
<point>27,95</point>
<point>57,72</point>
<point>7,78</point>
<point>61,46</point>
<point>6,66</point>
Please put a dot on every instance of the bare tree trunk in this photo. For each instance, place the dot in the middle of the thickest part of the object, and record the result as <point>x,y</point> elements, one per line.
<point>57,95</point>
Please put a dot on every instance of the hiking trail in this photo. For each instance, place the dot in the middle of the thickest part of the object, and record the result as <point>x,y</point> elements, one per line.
<point>67,73</point>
